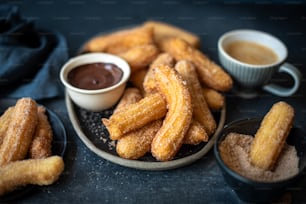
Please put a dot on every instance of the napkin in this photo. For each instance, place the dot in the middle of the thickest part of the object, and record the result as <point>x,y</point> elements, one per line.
<point>30,57</point>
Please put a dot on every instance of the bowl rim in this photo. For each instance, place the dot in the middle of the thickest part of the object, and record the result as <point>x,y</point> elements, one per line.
<point>231,33</point>
<point>236,175</point>
<point>105,58</point>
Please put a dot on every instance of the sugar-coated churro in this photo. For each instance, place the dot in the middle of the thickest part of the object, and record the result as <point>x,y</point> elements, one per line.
<point>201,111</point>
<point>41,146</point>
<point>20,131</point>
<point>30,171</point>
<point>271,135</point>
<point>209,72</point>
<point>170,136</point>
<point>149,84</point>
<point>163,31</point>
<point>137,115</point>
<point>139,57</point>
<point>215,100</point>
<point>5,120</point>
<point>120,41</point>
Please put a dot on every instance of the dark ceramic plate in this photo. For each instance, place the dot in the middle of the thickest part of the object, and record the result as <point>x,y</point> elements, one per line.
<point>58,145</point>
<point>95,136</point>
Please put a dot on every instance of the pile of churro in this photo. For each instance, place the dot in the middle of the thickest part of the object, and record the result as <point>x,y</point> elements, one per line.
<point>26,147</point>
<point>175,87</point>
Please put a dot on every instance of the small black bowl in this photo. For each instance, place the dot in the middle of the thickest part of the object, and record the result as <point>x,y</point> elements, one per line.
<point>254,191</point>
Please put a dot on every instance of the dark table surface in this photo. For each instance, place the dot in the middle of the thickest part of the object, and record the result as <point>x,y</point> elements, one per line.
<point>90,179</point>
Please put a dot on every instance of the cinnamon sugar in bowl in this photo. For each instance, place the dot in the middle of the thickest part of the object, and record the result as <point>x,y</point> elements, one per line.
<point>250,183</point>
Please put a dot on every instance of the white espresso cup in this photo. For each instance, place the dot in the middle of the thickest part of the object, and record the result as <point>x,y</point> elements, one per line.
<point>238,52</point>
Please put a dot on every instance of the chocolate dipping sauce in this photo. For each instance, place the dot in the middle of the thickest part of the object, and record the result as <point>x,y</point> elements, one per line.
<point>95,76</point>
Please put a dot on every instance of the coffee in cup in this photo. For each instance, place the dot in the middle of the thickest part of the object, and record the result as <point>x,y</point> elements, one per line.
<point>252,57</point>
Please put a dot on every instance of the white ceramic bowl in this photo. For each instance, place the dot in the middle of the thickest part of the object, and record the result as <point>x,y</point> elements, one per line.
<point>100,99</point>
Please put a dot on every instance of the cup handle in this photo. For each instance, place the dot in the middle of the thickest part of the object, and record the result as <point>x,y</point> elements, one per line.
<point>282,91</point>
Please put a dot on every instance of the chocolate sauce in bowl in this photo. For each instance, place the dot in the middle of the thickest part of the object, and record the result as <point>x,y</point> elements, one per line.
<point>95,76</point>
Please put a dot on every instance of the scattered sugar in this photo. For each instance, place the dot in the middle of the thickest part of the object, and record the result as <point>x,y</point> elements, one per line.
<point>235,150</point>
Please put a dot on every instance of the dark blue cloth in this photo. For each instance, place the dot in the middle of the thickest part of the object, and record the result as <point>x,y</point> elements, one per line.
<point>30,57</point>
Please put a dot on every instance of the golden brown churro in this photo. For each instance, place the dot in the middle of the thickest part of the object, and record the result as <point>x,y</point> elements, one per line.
<point>137,79</point>
<point>149,81</point>
<point>135,116</point>
<point>271,135</point>
<point>137,143</point>
<point>120,41</point>
<point>30,171</point>
<point>196,134</point>
<point>215,100</point>
<point>169,138</point>
<point>140,57</point>
<point>209,72</point>
<point>5,120</point>
<point>41,146</point>
<point>20,131</point>
<point>163,31</point>
<point>201,111</point>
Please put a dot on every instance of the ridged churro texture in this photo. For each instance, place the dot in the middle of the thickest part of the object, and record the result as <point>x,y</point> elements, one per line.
<point>209,72</point>
<point>271,135</point>
<point>136,116</point>
<point>201,111</point>
<point>20,131</point>
<point>169,138</point>
<point>137,143</point>
<point>41,146</point>
<point>30,171</point>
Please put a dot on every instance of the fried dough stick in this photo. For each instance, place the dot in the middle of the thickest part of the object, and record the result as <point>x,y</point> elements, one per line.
<point>201,111</point>
<point>271,135</point>
<point>140,57</point>
<point>209,72</point>
<point>135,116</point>
<point>149,81</point>
<point>41,146</point>
<point>120,41</point>
<point>30,171</point>
<point>163,31</point>
<point>4,122</point>
<point>137,143</point>
<point>170,136</point>
<point>215,100</point>
<point>19,134</point>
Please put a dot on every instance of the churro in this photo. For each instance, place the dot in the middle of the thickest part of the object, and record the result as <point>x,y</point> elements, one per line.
<point>137,143</point>
<point>214,99</point>
<point>140,57</point>
<point>209,72</point>
<point>149,84</point>
<point>30,171</point>
<point>163,31</point>
<point>170,136</point>
<point>201,110</point>
<point>4,122</point>
<point>20,131</point>
<point>137,115</point>
<point>41,146</point>
<point>196,134</point>
<point>271,135</point>
<point>120,41</point>
<point>137,79</point>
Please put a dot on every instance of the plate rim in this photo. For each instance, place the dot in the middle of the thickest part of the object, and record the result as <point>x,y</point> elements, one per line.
<point>11,197</point>
<point>136,164</point>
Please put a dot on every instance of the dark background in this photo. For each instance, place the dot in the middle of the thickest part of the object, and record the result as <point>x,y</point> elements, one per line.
<point>91,179</point>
